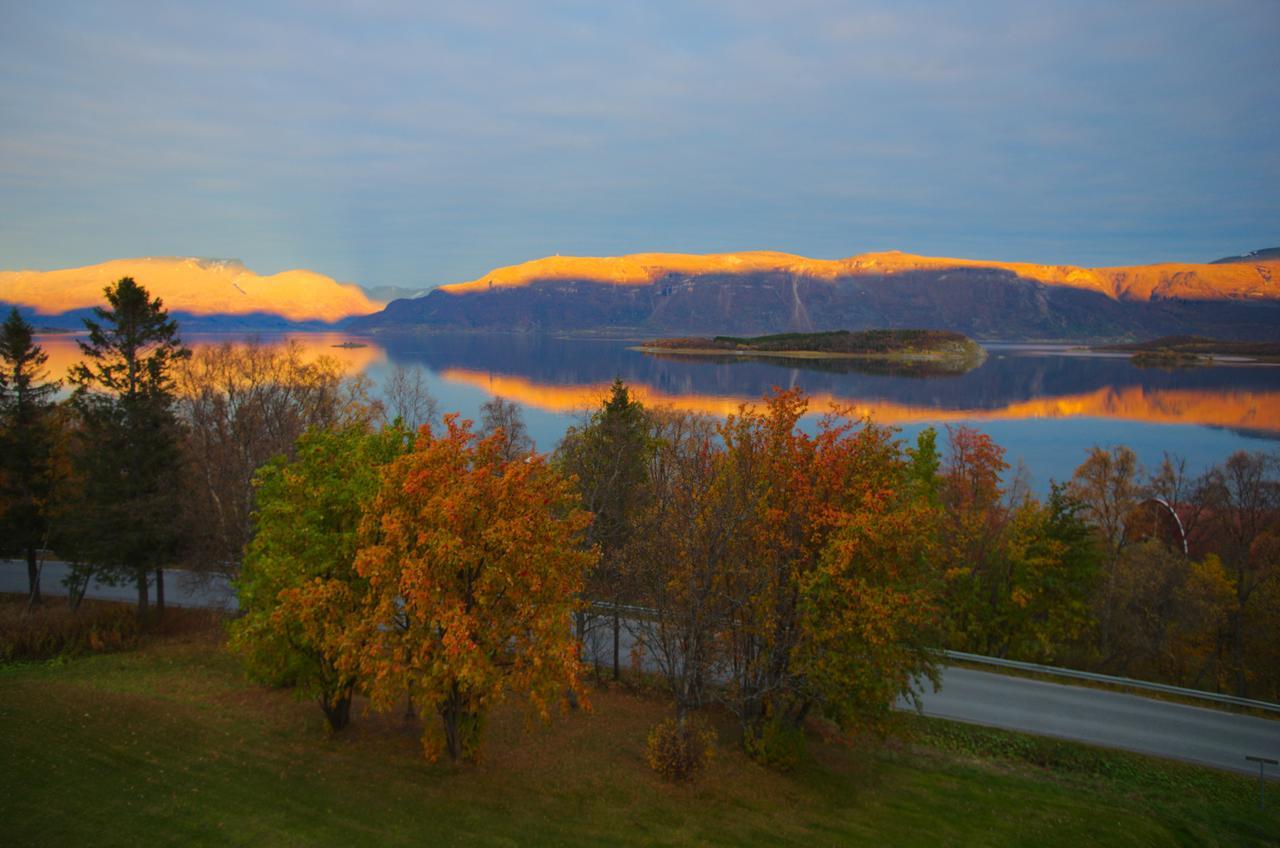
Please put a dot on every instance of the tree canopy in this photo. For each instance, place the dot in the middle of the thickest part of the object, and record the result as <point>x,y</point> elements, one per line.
<point>476,559</point>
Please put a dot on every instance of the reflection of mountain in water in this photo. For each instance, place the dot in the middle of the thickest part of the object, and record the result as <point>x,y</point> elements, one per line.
<point>1013,382</point>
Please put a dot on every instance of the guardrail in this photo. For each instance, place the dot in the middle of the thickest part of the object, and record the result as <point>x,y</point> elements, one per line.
<point>604,608</point>
<point>1127,682</point>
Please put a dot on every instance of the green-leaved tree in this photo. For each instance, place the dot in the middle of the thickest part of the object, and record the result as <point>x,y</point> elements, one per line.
<point>299,588</point>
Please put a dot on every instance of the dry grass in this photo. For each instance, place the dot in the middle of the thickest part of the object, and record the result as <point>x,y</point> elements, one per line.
<point>52,629</point>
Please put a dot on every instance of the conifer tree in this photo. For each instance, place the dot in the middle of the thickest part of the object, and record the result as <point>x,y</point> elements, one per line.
<point>129,453</point>
<point>26,446</point>
<point>609,456</point>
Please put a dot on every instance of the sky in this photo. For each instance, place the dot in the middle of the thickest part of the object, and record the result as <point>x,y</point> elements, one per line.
<point>414,144</point>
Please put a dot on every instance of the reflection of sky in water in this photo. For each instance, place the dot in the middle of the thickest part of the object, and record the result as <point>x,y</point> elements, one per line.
<point>1045,407</point>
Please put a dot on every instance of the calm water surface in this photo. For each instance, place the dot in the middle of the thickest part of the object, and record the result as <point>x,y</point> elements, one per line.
<point>1046,404</point>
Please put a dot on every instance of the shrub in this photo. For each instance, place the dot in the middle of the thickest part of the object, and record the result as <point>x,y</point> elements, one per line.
<point>52,629</point>
<point>679,750</point>
<point>775,743</point>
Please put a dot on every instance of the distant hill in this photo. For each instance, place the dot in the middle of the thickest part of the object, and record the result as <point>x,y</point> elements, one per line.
<point>385,294</point>
<point>764,292</point>
<point>1263,255</point>
<point>206,294</point>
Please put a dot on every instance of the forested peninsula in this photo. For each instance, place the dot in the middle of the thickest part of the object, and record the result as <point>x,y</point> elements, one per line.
<point>906,345</point>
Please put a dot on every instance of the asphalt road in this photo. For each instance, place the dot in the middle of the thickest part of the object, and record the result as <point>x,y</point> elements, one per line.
<point>1111,719</point>
<point>181,589</point>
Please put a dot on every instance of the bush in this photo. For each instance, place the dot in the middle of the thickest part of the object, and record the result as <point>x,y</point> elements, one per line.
<point>776,743</point>
<point>678,751</point>
<point>52,629</point>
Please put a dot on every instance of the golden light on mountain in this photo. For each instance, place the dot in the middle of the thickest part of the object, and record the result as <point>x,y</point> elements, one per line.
<point>195,286</point>
<point>1211,407</point>
<point>1136,282</point>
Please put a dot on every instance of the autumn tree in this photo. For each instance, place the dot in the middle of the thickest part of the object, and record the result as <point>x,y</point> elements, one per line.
<point>974,523</point>
<point>793,636</point>
<point>1242,500</point>
<point>300,596</point>
<point>1161,613</point>
<point>870,611</point>
<point>607,456</point>
<point>688,534</point>
<point>1020,572</point>
<point>242,405</point>
<point>1262,656</point>
<point>1108,486</point>
<point>1051,565</point>
<point>475,566</point>
<point>129,451</point>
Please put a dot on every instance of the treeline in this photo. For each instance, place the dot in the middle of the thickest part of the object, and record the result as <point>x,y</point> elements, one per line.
<point>147,462</point>
<point>778,571</point>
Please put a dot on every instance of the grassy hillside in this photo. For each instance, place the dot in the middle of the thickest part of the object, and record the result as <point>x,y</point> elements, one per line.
<point>168,744</point>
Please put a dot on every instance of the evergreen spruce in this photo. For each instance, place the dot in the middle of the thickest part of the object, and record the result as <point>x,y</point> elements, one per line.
<point>129,455</point>
<point>26,447</point>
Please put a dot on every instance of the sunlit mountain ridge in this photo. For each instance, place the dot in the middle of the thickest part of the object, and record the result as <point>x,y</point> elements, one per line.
<point>759,292</point>
<point>1201,281</point>
<point>190,286</point>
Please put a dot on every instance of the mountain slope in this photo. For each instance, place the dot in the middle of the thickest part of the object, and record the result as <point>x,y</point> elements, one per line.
<point>1262,255</point>
<point>765,292</point>
<point>210,289</point>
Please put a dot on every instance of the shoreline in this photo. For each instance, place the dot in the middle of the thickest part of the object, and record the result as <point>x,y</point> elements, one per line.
<point>814,354</point>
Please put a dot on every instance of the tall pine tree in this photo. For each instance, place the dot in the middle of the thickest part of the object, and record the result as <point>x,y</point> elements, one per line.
<point>26,447</point>
<point>129,455</point>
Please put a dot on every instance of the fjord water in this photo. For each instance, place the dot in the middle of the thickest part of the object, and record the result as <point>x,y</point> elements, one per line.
<point>1046,404</point>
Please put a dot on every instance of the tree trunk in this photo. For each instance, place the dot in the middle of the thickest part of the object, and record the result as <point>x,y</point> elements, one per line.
<point>142,593</point>
<point>450,713</point>
<point>339,712</point>
<point>33,579</point>
<point>1237,648</point>
<point>160,591</point>
<point>77,588</point>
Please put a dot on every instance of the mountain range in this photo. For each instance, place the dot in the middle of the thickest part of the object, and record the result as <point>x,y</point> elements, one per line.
<point>746,293</point>
<point>204,294</point>
<point>769,292</point>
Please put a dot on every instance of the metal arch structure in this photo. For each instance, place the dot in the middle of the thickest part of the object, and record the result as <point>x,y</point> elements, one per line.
<point>1177,519</point>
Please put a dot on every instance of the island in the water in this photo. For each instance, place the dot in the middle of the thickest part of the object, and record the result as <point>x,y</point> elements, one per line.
<point>892,345</point>
<point>1182,351</point>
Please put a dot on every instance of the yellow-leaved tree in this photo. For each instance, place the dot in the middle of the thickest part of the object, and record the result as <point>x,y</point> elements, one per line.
<point>475,568</point>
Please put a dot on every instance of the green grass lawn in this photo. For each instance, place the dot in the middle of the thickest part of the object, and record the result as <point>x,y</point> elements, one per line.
<point>168,744</point>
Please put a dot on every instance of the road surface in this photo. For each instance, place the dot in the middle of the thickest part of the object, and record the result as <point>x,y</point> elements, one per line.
<point>1111,719</point>
<point>181,589</point>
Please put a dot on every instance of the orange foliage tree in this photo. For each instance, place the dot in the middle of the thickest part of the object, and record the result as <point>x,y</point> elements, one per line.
<point>830,607</point>
<point>474,566</point>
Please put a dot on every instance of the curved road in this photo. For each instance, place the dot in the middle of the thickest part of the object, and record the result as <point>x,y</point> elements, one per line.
<point>1112,719</point>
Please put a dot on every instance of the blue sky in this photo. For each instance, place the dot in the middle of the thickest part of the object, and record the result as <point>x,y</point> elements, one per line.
<point>389,143</point>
